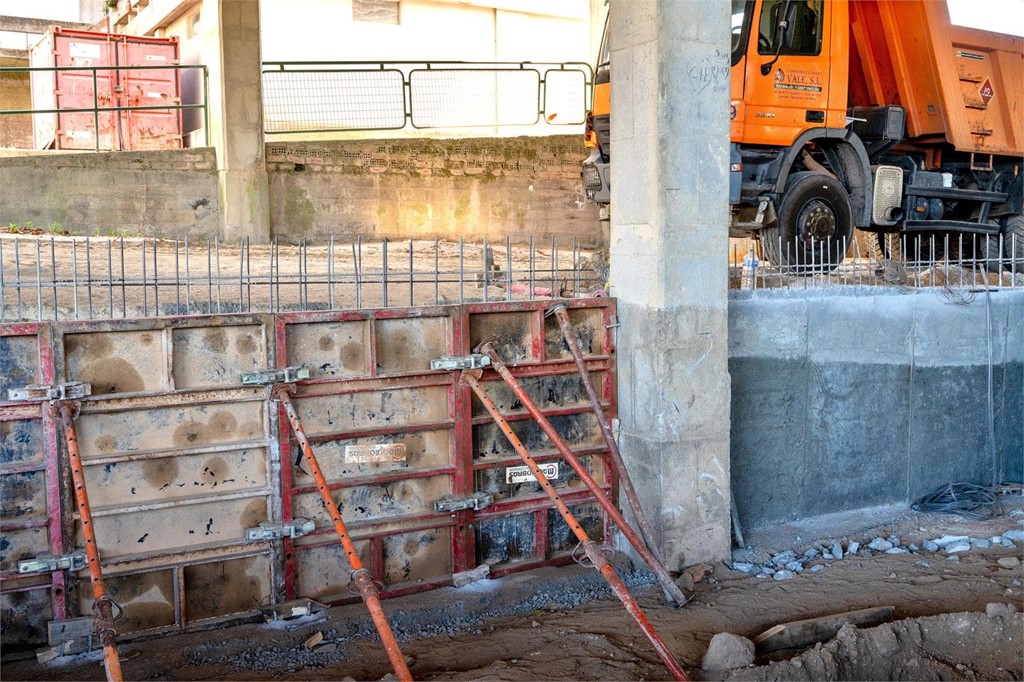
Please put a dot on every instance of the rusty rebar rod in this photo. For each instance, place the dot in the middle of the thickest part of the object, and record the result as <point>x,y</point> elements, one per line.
<point>360,575</point>
<point>672,591</point>
<point>102,610</point>
<point>562,315</point>
<point>590,548</point>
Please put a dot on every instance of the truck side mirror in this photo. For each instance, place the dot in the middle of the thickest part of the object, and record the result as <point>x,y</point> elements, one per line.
<point>783,34</point>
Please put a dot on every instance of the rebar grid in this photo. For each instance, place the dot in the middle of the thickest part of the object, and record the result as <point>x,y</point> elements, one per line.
<point>82,278</point>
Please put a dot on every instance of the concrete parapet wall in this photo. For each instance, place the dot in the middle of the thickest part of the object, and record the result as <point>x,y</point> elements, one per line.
<point>169,193</point>
<point>523,187</point>
<point>854,398</point>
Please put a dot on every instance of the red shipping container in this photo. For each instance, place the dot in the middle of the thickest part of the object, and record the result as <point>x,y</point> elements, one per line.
<point>117,130</point>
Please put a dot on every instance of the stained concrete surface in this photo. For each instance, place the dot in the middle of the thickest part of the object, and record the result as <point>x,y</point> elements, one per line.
<point>850,398</point>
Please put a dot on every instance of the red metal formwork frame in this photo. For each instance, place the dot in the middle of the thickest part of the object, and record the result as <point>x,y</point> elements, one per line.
<point>32,367</point>
<point>462,324</point>
<point>168,436</point>
<point>547,358</point>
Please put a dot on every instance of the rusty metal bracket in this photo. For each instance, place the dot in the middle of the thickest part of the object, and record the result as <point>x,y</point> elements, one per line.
<point>73,390</point>
<point>264,377</point>
<point>450,503</point>
<point>274,531</point>
<point>455,363</point>
<point>47,563</point>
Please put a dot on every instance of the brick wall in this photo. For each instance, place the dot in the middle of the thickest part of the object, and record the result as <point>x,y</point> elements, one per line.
<point>160,193</point>
<point>522,187</point>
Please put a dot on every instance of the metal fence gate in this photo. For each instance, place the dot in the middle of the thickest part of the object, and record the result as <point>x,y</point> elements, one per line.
<point>181,458</point>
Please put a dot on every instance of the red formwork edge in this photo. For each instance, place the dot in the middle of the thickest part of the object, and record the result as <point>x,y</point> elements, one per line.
<point>51,456</point>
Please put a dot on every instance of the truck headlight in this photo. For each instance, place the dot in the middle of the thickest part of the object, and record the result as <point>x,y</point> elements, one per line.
<point>591,178</point>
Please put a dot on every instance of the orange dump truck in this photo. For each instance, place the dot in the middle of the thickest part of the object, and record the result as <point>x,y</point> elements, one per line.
<point>878,115</point>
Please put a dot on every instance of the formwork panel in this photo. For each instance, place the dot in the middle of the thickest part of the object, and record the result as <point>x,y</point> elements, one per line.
<point>20,544</point>
<point>588,326</point>
<point>414,557</point>
<point>555,391</point>
<point>578,430</point>
<point>379,503</point>
<point>23,618</point>
<point>173,477</point>
<point>24,441</point>
<point>176,528</point>
<point>117,361</point>
<point>495,479</point>
<point>226,587</point>
<point>408,345</point>
<point>19,363</point>
<point>338,349</point>
<point>561,538</point>
<point>163,428</point>
<point>322,572</point>
<point>511,334</point>
<point>506,539</point>
<point>217,356</point>
<point>148,599</point>
<point>30,495</point>
<point>352,457</point>
<point>23,495</point>
<point>178,465</point>
<point>348,412</point>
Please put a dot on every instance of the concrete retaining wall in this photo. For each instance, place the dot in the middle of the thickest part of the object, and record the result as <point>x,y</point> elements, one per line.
<point>522,186</point>
<point>160,193</point>
<point>473,188</point>
<point>853,398</point>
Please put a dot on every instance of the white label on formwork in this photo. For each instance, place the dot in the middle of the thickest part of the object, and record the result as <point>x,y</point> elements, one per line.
<point>155,58</point>
<point>523,474</point>
<point>367,454</point>
<point>88,50</point>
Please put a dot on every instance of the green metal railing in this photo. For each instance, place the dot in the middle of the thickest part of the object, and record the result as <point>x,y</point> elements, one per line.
<point>96,110</point>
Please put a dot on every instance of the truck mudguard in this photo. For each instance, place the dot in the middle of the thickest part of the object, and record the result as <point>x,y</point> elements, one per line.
<point>854,159</point>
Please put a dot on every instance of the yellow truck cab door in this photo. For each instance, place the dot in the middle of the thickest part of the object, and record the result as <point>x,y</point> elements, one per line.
<point>786,72</point>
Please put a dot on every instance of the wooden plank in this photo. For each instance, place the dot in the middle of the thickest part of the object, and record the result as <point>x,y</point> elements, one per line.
<point>803,633</point>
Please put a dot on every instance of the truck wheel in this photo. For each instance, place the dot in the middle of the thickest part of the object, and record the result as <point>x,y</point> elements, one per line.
<point>815,225</point>
<point>1012,255</point>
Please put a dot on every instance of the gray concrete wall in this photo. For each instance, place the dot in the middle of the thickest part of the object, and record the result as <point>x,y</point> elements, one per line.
<point>474,188</point>
<point>859,397</point>
<point>160,193</point>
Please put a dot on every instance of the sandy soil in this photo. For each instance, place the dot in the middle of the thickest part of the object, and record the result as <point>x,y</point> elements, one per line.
<point>599,641</point>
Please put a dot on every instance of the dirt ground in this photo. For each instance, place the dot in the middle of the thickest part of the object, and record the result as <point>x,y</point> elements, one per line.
<point>940,630</point>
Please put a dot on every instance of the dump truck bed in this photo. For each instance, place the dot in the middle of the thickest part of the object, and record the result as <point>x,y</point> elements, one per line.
<point>958,85</point>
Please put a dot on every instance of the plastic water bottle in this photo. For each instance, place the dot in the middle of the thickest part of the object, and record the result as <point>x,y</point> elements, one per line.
<point>750,265</point>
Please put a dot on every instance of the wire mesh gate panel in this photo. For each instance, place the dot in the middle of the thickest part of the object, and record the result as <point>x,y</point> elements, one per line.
<point>30,498</point>
<point>181,458</point>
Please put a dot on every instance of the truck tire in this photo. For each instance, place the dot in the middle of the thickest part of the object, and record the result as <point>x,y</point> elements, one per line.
<point>1012,255</point>
<point>814,228</point>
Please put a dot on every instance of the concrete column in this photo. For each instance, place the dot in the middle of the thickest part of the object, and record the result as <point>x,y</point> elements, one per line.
<point>231,51</point>
<point>669,250</point>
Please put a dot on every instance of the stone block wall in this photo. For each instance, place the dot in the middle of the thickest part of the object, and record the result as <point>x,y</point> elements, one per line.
<point>474,188</point>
